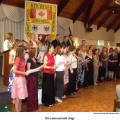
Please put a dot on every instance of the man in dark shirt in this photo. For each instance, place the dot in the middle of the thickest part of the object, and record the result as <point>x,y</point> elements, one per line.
<point>70,40</point>
<point>65,41</point>
<point>56,42</point>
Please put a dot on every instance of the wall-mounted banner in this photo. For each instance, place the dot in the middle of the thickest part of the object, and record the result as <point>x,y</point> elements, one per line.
<point>41,19</point>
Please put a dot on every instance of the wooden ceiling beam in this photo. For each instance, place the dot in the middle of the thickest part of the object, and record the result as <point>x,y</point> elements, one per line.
<point>81,8</point>
<point>106,17</point>
<point>88,12</point>
<point>98,13</point>
<point>61,6</point>
<point>1,1</point>
<point>113,22</point>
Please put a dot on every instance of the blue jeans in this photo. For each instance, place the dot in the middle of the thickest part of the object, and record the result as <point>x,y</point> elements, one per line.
<point>83,76</point>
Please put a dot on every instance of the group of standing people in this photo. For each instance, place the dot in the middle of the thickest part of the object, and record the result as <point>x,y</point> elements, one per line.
<point>65,69</point>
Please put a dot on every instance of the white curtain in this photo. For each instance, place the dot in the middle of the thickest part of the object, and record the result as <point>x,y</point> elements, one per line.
<point>1,34</point>
<point>13,13</point>
<point>17,28</point>
<point>11,20</point>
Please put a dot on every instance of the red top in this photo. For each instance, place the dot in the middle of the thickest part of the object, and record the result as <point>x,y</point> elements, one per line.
<point>80,46</point>
<point>50,62</point>
<point>20,66</point>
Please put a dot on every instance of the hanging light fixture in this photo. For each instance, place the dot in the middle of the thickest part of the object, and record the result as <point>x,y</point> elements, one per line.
<point>117,2</point>
<point>115,7</point>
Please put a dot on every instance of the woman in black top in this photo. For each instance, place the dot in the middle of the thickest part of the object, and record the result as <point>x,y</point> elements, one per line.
<point>113,59</point>
<point>89,69</point>
<point>32,83</point>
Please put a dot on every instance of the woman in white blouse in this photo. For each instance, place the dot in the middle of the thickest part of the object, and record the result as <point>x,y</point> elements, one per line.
<point>72,71</point>
<point>59,81</point>
<point>8,41</point>
<point>32,41</point>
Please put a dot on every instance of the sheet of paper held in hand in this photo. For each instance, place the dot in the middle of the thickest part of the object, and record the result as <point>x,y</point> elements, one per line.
<point>36,69</point>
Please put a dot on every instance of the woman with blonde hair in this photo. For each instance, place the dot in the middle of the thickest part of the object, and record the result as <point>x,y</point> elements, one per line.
<point>32,41</point>
<point>8,41</point>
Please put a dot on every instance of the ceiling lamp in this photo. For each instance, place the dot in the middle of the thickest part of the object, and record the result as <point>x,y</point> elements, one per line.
<point>117,2</point>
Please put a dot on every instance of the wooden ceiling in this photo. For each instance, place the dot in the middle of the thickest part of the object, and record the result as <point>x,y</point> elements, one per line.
<point>99,12</point>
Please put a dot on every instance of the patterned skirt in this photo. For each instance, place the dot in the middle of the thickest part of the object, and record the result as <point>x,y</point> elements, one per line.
<point>66,76</point>
<point>11,77</point>
<point>32,87</point>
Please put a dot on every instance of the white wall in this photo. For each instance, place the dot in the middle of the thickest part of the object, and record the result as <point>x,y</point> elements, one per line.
<point>116,37</point>
<point>92,37</point>
<point>79,33</point>
<point>63,25</point>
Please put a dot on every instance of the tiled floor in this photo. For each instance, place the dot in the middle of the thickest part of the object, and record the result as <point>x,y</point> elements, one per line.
<point>3,88</point>
<point>92,99</point>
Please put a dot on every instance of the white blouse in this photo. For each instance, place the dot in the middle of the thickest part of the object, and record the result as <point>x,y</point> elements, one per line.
<point>13,53</point>
<point>6,45</point>
<point>34,44</point>
<point>58,60</point>
<point>73,60</point>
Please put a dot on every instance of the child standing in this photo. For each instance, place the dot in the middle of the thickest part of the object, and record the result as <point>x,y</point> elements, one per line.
<point>19,89</point>
<point>11,62</point>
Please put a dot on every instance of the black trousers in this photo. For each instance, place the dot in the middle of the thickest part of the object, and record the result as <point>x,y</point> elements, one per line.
<point>48,91</point>
<point>59,84</point>
<point>72,81</point>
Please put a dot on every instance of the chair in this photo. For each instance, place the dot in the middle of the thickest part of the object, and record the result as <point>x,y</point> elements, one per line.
<point>117,101</point>
<point>116,106</point>
<point>118,92</point>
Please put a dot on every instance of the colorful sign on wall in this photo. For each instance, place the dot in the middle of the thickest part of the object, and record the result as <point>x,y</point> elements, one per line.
<point>41,19</point>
